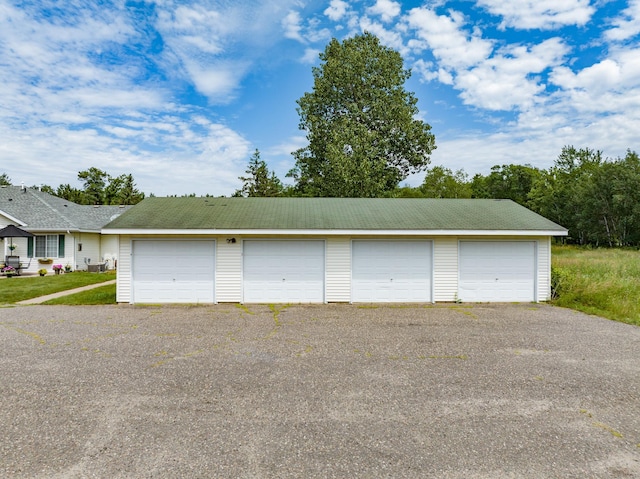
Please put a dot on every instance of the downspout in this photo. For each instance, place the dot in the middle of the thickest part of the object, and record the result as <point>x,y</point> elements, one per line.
<point>74,252</point>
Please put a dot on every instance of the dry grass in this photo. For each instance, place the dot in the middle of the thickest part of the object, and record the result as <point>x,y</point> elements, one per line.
<point>605,282</point>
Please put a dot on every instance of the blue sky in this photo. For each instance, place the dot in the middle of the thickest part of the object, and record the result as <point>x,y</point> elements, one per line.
<point>181,93</point>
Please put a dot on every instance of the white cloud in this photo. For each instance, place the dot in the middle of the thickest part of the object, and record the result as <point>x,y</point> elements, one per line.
<point>49,72</point>
<point>304,32</point>
<point>217,80</point>
<point>107,98</point>
<point>611,86</point>
<point>190,18</point>
<point>292,27</point>
<point>426,70</point>
<point>537,138</point>
<point>336,10</point>
<point>540,14</point>
<point>445,36</point>
<point>121,132</point>
<point>279,157</point>
<point>169,154</point>
<point>63,105</point>
<point>504,81</point>
<point>597,78</point>
<point>477,153</point>
<point>214,43</point>
<point>206,45</point>
<point>627,24</point>
<point>222,143</point>
<point>289,146</point>
<point>386,9</point>
<point>310,55</point>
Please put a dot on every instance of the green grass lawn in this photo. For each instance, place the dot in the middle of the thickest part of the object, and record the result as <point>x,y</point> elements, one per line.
<point>100,295</point>
<point>20,288</point>
<point>604,282</point>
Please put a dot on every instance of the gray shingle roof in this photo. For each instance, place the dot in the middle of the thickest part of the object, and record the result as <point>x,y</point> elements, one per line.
<point>330,214</point>
<point>44,212</point>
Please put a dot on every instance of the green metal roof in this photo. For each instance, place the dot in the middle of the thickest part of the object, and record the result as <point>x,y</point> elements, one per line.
<point>330,214</point>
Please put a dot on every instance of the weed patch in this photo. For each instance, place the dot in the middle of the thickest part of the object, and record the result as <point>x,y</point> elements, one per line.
<point>603,282</point>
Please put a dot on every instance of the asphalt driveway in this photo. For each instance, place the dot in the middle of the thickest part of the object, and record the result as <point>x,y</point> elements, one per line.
<point>447,391</point>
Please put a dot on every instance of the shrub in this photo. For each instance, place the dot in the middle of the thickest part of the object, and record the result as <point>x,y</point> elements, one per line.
<point>561,280</point>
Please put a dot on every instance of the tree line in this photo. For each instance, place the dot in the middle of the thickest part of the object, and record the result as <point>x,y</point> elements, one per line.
<point>98,188</point>
<point>597,199</point>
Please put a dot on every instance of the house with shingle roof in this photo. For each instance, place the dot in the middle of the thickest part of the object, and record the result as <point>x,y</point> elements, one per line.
<point>322,250</point>
<point>64,232</point>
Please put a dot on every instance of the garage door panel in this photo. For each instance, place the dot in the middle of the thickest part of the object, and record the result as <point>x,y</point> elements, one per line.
<point>173,271</point>
<point>391,271</point>
<point>500,271</point>
<point>283,271</point>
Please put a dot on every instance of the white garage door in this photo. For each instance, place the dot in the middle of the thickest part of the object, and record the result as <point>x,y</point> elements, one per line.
<point>283,271</point>
<point>499,271</point>
<point>173,271</point>
<point>391,271</point>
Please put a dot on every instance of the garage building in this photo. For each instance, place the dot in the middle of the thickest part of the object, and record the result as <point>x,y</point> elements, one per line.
<point>321,250</point>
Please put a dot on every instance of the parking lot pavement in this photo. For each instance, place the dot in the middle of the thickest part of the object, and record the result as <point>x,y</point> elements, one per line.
<point>344,391</point>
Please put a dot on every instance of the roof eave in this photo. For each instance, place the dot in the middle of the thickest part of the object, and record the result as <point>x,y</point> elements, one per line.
<point>330,232</point>
<point>55,230</point>
<point>12,218</point>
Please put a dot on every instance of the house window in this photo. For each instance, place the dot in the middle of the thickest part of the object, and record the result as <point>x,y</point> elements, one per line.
<point>47,246</point>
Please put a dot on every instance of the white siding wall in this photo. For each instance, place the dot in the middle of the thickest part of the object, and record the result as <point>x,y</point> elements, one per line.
<point>123,278</point>
<point>69,258</point>
<point>445,269</point>
<point>69,250</point>
<point>338,270</point>
<point>109,250</point>
<point>544,269</point>
<point>90,250</point>
<point>228,270</point>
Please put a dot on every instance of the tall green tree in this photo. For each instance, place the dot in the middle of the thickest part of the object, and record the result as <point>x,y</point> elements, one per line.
<point>360,122</point>
<point>122,190</point>
<point>259,180</point>
<point>94,181</point>
<point>99,188</point>
<point>559,194</point>
<point>512,182</point>
<point>610,202</point>
<point>5,180</point>
<point>441,182</point>
<point>68,192</point>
